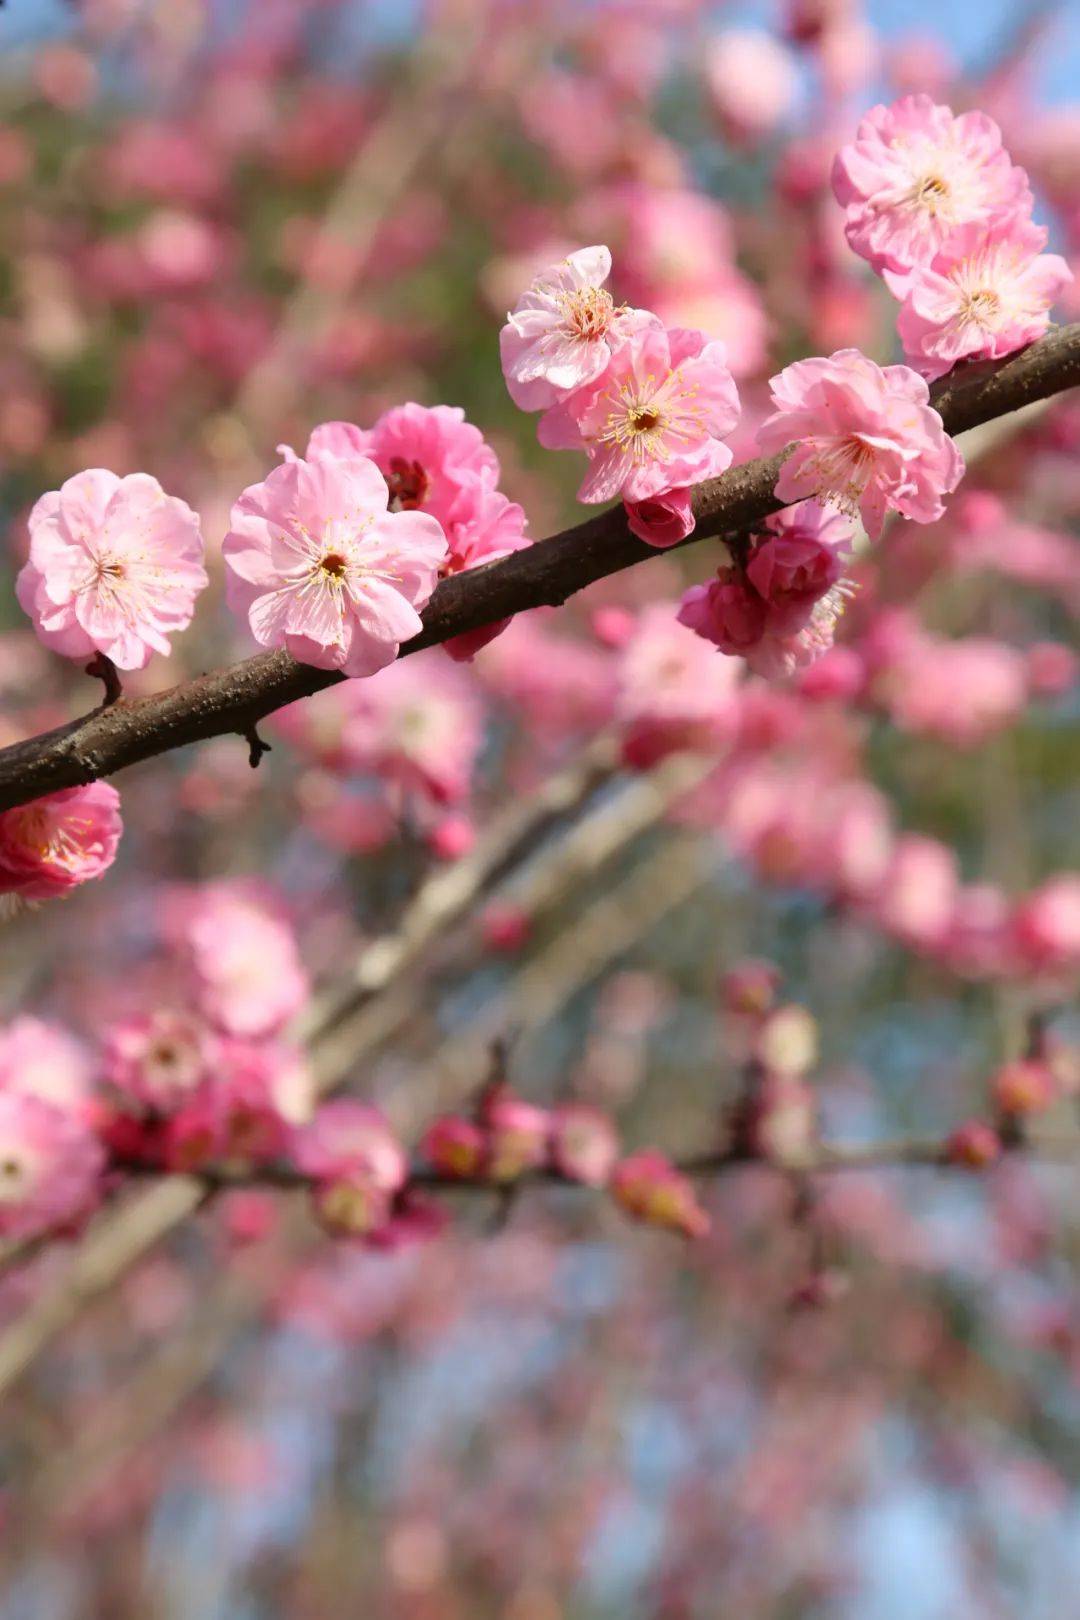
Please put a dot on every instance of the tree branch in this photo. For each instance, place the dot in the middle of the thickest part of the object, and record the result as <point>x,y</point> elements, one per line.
<point>545,575</point>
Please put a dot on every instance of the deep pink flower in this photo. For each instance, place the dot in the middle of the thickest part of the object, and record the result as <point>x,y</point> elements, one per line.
<point>662,520</point>
<point>866,439</point>
<point>985,295</point>
<point>115,566</point>
<point>51,1165</point>
<point>915,174</point>
<point>50,846</point>
<point>318,565</point>
<point>798,559</point>
<point>563,331</point>
<point>428,455</point>
<point>656,419</point>
<point>974,1144</point>
<point>1025,1086</point>
<point>454,1146</point>
<point>727,611</point>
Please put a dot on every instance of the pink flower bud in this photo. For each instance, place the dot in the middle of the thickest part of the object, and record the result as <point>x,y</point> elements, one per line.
<point>974,1144</point>
<point>454,1146</point>
<point>584,1145</point>
<point>505,927</point>
<point>779,1122</point>
<point>750,988</point>
<point>452,838</point>
<point>517,1134</point>
<point>648,1187</point>
<point>661,520</point>
<point>1023,1087</point>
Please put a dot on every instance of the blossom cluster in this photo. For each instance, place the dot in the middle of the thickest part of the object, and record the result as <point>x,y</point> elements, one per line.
<point>650,406</point>
<point>941,212</point>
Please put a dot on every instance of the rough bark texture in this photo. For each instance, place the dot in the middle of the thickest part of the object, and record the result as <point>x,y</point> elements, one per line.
<point>237,698</point>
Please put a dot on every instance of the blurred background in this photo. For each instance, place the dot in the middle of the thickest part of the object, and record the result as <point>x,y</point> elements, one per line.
<point>223,223</point>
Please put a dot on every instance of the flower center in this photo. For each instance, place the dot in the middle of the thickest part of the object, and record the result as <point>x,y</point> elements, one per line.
<point>982,306</point>
<point>932,192</point>
<point>408,483</point>
<point>588,312</point>
<point>334,565</point>
<point>643,419</point>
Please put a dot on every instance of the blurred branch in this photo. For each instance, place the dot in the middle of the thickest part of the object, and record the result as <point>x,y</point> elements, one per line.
<point>123,1236</point>
<point>545,574</point>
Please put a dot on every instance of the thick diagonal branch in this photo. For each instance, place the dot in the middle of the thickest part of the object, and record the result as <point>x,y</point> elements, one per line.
<point>237,698</point>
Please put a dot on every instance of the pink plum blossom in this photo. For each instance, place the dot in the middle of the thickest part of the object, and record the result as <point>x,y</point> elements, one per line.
<point>985,295</point>
<point>752,82</point>
<point>866,439</point>
<point>51,845</point>
<point>115,566</point>
<point>241,955</point>
<point>158,1060</point>
<point>1046,926</point>
<point>796,561</point>
<point>655,421</point>
<point>42,1060</point>
<point>584,1145</point>
<point>317,564</point>
<point>673,692</point>
<point>915,174</point>
<point>726,611</point>
<point>662,520</point>
<point>564,330</point>
<point>428,454</point>
<point>51,1165</point>
<point>346,1137</point>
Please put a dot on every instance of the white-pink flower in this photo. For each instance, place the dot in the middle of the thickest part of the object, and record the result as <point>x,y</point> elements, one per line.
<point>564,330</point>
<point>115,566</point>
<point>241,957</point>
<point>317,564</point>
<point>984,296</point>
<point>915,174</point>
<point>655,421</point>
<point>866,439</point>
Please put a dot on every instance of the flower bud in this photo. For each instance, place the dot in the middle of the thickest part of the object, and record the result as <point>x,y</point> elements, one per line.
<point>455,1147</point>
<point>787,1042</point>
<point>648,1187</point>
<point>1023,1087</point>
<point>974,1144</point>
<point>584,1146</point>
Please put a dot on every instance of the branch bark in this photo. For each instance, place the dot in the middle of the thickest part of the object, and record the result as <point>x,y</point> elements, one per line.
<point>545,575</point>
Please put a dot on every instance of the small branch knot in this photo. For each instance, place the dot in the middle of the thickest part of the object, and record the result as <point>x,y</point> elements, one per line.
<point>256,746</point>
<point>103,669</point>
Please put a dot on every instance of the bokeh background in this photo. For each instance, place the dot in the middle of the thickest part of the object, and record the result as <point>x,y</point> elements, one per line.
<point>223,223</point>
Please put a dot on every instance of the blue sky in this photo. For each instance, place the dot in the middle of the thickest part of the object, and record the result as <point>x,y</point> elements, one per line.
<point>971,28</point>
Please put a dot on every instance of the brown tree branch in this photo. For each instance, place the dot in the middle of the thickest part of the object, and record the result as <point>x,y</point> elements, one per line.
<point>546,574</point>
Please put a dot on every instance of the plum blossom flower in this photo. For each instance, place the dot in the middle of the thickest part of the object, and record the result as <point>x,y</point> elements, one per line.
<point>158,1060</point>
<point>317,564</point>
<point>798,559</point>
<point>655,421</point>
<point>426,453</point>
<point>985,295</point>
<point>866,439</point>
<point>241,956</point>
<point>564,330</point>
<point>43,1060</point>
<point>584,1144</point>
<point>915,174</point>
<point>115,566</point>
<point>51,1165</point>
<point>50,846</point>
<point>436,462</point>
<point>346,1137</point>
